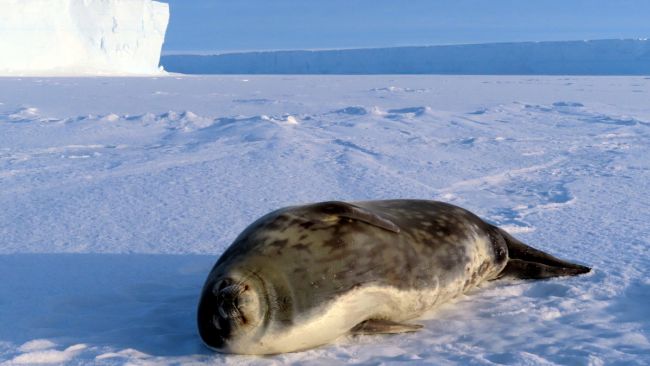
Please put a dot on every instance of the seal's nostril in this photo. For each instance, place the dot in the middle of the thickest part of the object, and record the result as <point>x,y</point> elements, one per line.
<point>224,284</point>
<point>222,312</point>
<point>215,322</point>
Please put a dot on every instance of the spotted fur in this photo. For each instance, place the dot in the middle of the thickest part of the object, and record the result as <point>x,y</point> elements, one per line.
<point>314,272</point>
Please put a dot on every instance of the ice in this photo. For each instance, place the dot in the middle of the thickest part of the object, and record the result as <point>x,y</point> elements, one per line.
<point>74,37</point>
<point>118,195</point>
<point>597,57</point>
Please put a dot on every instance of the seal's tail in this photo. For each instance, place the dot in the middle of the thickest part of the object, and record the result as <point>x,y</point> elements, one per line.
<point>529,263</point>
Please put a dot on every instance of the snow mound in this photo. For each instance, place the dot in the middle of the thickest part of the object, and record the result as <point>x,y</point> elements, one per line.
<point>48,356</point>
<point>91,37</point>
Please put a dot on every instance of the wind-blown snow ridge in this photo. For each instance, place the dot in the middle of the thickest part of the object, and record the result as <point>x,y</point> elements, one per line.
<point>45,355</point>
<point>91,37</point>
<point>115,205</point>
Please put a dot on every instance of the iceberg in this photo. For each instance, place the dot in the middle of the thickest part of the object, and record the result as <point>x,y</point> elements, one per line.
<point>81,37</point>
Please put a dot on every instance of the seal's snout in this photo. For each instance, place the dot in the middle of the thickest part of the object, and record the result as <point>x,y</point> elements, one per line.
<point>228,310</point>
<point>228,301</point>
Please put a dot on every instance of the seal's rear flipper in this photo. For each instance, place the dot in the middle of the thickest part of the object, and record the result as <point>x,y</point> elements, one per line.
<point>381,326</point>
<point>518,268</point>
<point>528,263</point>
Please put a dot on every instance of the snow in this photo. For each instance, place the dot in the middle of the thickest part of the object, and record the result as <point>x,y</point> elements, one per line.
<point>90,37</point>
<point>119,194</point>
<point>597,57</point>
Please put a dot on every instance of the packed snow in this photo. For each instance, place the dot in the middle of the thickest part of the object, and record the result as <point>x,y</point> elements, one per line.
<point>119,194</point>
<point>598,57</point>
<point>90,37</point>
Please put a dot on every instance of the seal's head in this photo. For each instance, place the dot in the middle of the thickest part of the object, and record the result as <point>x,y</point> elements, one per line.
<point>231,311</point>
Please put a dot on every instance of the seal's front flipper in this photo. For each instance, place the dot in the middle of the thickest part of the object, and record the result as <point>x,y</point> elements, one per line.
<point>381,326</point>
<point>334,210</point>
<point>517,268</point>
<point>527,262</point>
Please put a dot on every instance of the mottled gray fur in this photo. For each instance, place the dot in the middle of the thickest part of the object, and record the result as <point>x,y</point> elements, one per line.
<point>302,257</point>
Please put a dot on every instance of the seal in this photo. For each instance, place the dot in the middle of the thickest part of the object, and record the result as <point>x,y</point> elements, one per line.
<point>301,276</point>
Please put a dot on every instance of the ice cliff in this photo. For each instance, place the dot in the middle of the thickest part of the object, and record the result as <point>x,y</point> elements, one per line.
<point>600,57</point>
<point>81,37</point>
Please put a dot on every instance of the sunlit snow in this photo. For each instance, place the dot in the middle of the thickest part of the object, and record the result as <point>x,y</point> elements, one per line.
<point>118,195</point>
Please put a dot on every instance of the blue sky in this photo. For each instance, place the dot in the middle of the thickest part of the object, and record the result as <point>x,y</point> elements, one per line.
<point>207,26</point>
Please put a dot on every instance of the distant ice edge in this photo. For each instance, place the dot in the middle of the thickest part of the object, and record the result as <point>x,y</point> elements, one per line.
<point>597,57</point>
<point>90,37</point>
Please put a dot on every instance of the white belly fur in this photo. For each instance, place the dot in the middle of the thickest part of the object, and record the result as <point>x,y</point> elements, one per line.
<point>336,318</point>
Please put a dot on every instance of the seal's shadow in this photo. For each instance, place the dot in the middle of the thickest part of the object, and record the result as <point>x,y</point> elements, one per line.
<point>131,301</point>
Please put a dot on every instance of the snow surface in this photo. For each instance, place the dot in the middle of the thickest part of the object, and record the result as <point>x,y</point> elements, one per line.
<point>73,37</point>
<point>118,195</point>
<point>599,57</point>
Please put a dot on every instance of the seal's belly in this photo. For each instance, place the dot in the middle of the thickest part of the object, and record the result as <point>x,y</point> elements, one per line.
<point>443,271</point>
<point>383,298</point>
<point>338,316</point>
